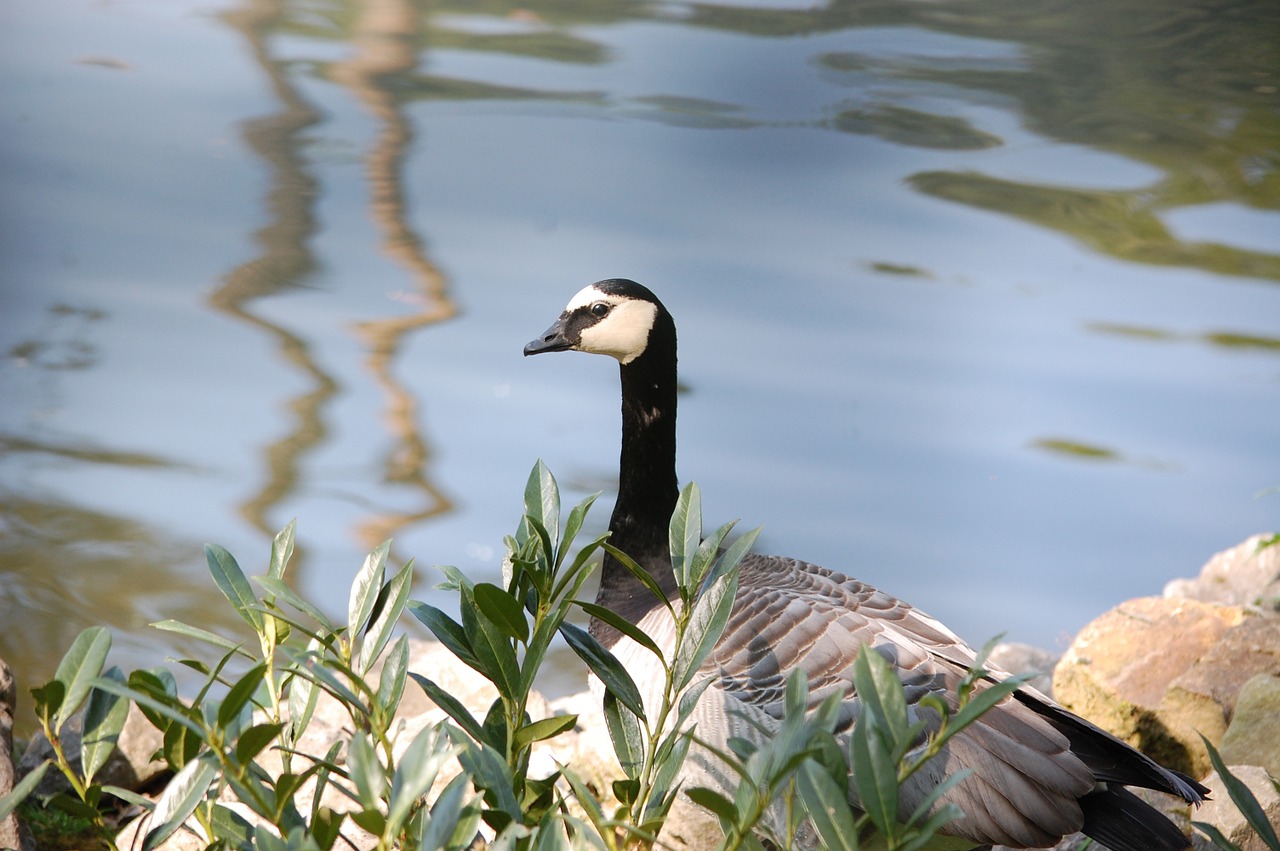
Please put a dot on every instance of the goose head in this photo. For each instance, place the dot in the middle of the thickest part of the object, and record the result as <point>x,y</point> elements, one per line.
<point>614,317</point>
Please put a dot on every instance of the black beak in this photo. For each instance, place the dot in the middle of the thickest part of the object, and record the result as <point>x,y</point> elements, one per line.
<point>554,339</point>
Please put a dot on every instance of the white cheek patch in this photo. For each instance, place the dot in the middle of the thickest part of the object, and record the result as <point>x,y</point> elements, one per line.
<point>588,295</point>
<point>624,333</point>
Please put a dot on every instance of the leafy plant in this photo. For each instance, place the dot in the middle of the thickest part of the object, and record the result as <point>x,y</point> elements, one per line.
<point>1244,800</point>
<point>241,737</point>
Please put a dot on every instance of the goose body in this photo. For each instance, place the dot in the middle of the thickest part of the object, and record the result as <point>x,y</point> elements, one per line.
<point>1038,772</point>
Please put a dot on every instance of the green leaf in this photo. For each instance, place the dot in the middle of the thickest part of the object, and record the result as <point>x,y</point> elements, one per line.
<point>1242,798</point>
<point>254,739</point>
<point>881,695</point>
<point>282,591</point>
<point>717,804</point>
<point>386,614</point>
<point>391,680</point>
<point>231,827</point>
<point>365,588</point>
<point>282,550</point>
<point>229,578</point>
<point>542,501</point>
<point>544,729</point>
<point>875,770</point>
<point>622,625</point>
<point>489,642</point>
<point>1216,836</point>
<point>180,798</point>
<point>22,789</point>
<point>79,666</point>
<point>446,814</point>
<point>577,516</point>
<point>707,621</point>
<point>367,773</point>
<point>415,772</point>
<point>503,610</point>
<point>240,694</point>
<point>489,771</point>
<point>103,720</point>
<point>451,705</point>
<point>447,631</point>
<point>638,572</point>
<point>200,635</point>
<point>303,696</point>
<point>625,733</point>
<point>827,807</point>
<point>326,825</point>
<point>605,666</point>
<point>685,532</point>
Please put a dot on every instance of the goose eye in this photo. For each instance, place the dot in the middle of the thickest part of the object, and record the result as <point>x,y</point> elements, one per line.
<point>600,308</point>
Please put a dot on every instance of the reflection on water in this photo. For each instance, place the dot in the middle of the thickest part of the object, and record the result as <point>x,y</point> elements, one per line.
<point>1097,121</point>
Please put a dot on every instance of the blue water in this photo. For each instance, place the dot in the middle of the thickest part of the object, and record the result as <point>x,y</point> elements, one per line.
<point>271,261</point>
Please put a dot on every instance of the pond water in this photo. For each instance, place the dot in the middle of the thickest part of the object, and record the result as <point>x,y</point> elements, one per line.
<point>978,301</point>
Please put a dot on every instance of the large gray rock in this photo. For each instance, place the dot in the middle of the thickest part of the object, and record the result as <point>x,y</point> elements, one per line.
<point>1223,814</point>
<point>1241,576</point>
<point>1121,670</point>
<point>1253,737</point>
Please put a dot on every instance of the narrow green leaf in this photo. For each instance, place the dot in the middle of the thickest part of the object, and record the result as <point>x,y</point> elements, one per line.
<point>415,772</point>
<point>875,771</point>
<point>254,739</point>
<point>229,578</point>
<point>503,610</point>
<point>326,825</point>
<point>685,532</point>
<point>1216,836</point>
<point>489,771</point>
<point>231,827</point>
<point>827,807</point>
<point>303,696</point>
<point>545,729</point>
<point>981,701</point>
<point>1242,798</point>
<point>282,591</point>
<point>446,814</point>
<point>22,789</point>
<point>367,773</point>
<point>447,631</point>
<point>180,799</point>
<point>717,804</point>
<point>495,654</point>
<point>705,555</point>
<point>391,680</point>
<point>605,666</point>
<point>707,621</point>
<point>126,795</point>
<point>542,501</point>
<point>198,634</point>
<point>365,588</point>
<point>625,733</point>
<point>282,550</point>
<point>386,614</point>
<point>79,666</point>
<point>944,815</point>
<point>638,572</point>
<point>622,625</point>
<point>240,694</point>
<point>103,720</point>
<point>881,694</point>
<point>451,705</point>
<point>577,516</point>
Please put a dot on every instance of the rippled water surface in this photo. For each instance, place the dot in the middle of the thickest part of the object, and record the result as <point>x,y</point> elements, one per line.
<point>978,301</point>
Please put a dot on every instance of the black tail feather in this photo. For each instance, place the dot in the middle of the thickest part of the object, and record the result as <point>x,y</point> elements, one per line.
<point>1122,821</point>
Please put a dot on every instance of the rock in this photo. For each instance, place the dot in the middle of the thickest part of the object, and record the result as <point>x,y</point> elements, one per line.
<point>1253,737</point>
<point>1117,671</point>
<point>13,834</point>
<point>130,765</point>
<point>1222,813</point>
<point>1019,658</point>
<point>1241,576</point>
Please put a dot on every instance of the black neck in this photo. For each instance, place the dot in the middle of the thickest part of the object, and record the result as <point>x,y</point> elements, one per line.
<point>647,487</point>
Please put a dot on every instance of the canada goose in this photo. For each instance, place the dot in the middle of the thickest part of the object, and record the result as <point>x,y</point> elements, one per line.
<point>1038,772</point>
